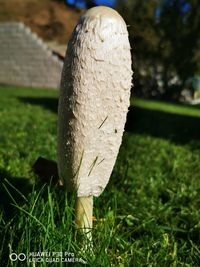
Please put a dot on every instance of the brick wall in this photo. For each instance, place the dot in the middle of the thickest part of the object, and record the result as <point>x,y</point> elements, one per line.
<point>25,60</point>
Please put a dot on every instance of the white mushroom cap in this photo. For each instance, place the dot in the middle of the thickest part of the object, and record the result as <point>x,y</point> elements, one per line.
<point>94,100</point>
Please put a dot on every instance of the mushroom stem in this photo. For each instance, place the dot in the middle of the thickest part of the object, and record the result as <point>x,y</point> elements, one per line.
<point>83,213</point>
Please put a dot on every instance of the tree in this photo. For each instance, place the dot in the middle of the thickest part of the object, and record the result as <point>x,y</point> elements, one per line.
<point>87,3</point>
<point>180,23</point>
<point>144,39</point>
<point>165,38</point>
<point>90,3</point>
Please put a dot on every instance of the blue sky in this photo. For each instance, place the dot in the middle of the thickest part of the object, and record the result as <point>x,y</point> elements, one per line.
<point>81,3</point>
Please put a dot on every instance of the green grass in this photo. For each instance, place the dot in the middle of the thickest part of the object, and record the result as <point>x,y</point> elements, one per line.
<point>147,216</point>
<point>167,107</point>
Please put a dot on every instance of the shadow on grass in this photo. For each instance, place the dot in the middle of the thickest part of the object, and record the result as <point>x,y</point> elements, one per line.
<point>50,103</point>
<point>16,190</point>
<point>18,193</point>
<point>180,129</point>
<point>13,190</point>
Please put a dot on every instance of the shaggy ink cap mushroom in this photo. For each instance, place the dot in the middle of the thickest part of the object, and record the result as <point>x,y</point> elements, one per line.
<point>94,100</point>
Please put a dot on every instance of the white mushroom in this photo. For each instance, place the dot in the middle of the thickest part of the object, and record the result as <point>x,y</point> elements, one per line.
<point>93,102</point>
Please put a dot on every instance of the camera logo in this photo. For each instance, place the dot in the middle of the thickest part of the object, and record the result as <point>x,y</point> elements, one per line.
<point>15,257</point>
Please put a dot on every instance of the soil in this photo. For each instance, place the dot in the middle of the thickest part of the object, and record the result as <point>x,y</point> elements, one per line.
<point>52,20</point>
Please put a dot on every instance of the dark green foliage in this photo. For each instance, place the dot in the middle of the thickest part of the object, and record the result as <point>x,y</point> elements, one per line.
<point>165,42</point>
<point>181,31</point>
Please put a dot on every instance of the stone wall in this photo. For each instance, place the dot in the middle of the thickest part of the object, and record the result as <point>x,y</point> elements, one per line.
<point>25,60</point>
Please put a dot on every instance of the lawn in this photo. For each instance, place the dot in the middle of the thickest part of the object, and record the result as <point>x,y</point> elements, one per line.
<point>147,216</point>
